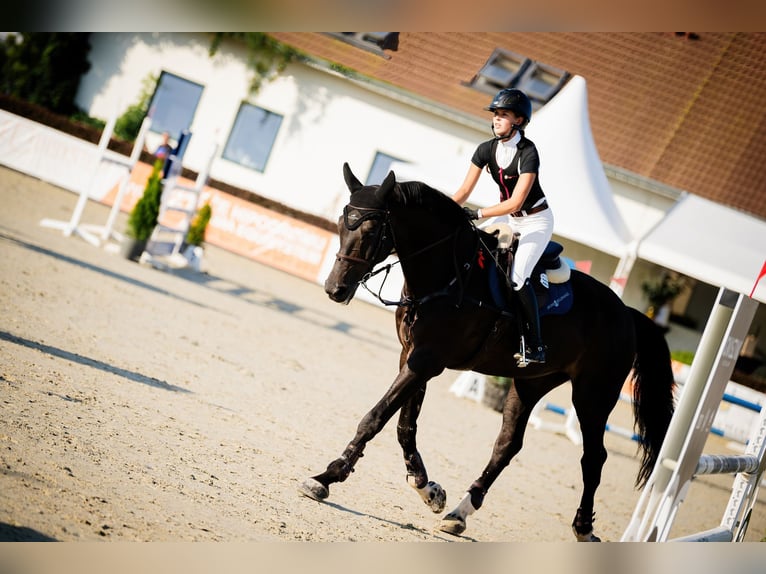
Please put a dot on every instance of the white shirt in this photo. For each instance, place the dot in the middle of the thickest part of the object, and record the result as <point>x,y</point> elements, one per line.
<point>505,150</point>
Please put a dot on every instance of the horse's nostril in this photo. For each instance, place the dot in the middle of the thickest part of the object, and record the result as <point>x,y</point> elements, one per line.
<point>336,292</point>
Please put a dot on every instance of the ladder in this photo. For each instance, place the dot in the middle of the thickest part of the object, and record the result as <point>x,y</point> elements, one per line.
<point>178,207</point>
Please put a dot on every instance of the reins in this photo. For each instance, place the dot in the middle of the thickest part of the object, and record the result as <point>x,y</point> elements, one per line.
<point>353,219</point>
<point>409,302</point>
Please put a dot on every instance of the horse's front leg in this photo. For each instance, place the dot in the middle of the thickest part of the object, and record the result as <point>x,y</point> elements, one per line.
<point>434,496</point>
<point>404,386</point>
<point>509,441</point>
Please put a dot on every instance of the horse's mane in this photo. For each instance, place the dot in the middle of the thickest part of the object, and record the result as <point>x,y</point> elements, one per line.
<point>417,193</point>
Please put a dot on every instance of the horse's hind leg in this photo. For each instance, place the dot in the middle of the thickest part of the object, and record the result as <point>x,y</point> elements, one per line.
<point>406,383</point>
<point>432,493</point>
<point>522,397</point>
<point>593,413</point>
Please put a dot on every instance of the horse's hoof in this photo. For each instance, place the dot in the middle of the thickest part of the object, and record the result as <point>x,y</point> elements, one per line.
<point>588,537</point>
<point>452,524</point>
<point>314,489</point>
<point>435,497</point>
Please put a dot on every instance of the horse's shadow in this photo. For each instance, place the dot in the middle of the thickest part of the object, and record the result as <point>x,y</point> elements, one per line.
<point>407,526</point>
<point>272,301</point>
<point>13,533</point>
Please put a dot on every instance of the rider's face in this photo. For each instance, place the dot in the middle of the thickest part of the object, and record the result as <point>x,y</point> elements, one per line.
<point>503,120</point>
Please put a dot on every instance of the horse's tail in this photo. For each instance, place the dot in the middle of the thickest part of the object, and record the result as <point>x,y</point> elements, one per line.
<point>653,384</point>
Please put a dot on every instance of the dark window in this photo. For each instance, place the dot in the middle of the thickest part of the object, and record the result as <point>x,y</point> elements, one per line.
<point>505,69</point>
<point>374,42</point>
<point>381,165</point>
<point>502,70</point>
<point>252,136</point>
<point>174,104</point>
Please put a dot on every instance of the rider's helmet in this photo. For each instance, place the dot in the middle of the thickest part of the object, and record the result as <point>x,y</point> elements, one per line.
<point>515,101</point>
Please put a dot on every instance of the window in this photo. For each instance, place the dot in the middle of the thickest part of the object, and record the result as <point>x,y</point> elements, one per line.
<point>502,70</point>
<point>173,104</point>
<point>381,165</point>
<point>541,82</point>
<point>374,42</point>
<point>252,136</point>
<point>505,69</point>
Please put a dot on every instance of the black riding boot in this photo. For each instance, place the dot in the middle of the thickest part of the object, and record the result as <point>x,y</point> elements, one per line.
<point>534,348</point>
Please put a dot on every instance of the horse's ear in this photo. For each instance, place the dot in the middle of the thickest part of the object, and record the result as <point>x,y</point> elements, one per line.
<point>386,187</point>
<point>351,181</point>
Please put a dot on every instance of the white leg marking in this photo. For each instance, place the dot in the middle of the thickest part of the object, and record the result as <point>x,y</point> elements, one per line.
<point>432,494</point>
<point>465,508</point>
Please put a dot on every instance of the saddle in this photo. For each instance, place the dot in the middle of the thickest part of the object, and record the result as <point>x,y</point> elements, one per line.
<point>550,276</point>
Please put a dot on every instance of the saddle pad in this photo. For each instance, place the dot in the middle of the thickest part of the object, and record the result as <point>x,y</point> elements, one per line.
<point>560,299</point>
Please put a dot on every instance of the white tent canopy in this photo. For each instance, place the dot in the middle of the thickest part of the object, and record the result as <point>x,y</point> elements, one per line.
<point>697,237</point>
<point>712,243</point>
<point>571,174</point>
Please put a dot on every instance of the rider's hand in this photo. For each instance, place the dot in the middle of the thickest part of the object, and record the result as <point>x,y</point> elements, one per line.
<point>471,213</point>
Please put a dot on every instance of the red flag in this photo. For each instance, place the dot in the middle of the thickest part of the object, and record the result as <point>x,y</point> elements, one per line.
<point>760,276</point>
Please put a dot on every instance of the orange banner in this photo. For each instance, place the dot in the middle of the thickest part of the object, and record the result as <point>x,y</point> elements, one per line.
<point>245,228</point>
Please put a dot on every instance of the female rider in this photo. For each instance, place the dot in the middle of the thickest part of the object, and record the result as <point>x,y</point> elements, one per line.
<point>513,162</point>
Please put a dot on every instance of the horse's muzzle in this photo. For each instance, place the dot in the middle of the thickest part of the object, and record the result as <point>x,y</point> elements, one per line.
<point>338,292</point>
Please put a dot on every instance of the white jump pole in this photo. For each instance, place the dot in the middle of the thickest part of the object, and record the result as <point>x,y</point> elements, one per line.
<point>700,398</point>
<point>73,226</point>
<point>744,493</point>
<point>108,230</point>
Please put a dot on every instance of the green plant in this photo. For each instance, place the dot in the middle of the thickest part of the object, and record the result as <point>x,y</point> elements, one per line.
<point>143,218</point>
<point>266,57</point>
<point>196,233</point>
<point>82,117</point>
<point>129,123</point>
<point>502,382</point>
<point>663,289</point>
<point>685,357</point>
<point>44,68</point>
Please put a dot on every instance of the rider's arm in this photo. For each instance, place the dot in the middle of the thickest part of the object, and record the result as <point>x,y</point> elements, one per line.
<point>462,194</point>
<point>513,203</point>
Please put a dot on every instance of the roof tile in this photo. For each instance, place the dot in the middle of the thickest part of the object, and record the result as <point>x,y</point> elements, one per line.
<point>687,113</point>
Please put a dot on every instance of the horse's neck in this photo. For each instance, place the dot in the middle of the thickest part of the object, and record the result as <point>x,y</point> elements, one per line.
<point>427,256</point>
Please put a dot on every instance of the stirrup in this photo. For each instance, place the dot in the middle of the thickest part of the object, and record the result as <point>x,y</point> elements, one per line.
<point>527,355</point>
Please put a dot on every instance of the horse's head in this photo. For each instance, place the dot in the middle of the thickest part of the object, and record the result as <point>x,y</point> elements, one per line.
<point>365,236</point>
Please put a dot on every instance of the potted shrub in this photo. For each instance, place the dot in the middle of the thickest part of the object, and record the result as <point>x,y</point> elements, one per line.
<point>192,249</point>
<point>143,217</point>
<point>660,292</point>
<point>196,234</point>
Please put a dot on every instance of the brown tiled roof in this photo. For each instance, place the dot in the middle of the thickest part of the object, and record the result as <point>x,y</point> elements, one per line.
<point>681,111</point>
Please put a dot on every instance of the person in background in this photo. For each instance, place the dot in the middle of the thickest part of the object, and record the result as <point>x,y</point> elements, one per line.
<point>164,149</point>
<point>513,162</point>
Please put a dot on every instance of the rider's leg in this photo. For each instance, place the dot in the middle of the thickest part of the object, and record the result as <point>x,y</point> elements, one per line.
<point>534,349</point>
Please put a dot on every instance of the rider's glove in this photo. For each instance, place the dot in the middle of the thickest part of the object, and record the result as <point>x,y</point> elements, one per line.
<point>471,213</point>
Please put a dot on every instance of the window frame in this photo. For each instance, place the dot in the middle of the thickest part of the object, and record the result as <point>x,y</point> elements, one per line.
<point>228,154</point>
<point>374,42</point>
<point>158,99</point>
<point>522,77</point>
<point>499,56</point>
<point>374,169</point>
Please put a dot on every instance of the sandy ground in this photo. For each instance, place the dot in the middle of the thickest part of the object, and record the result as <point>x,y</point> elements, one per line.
<point>144,405</point>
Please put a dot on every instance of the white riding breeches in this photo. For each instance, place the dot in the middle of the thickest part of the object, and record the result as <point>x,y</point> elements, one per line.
<point>535,231</point>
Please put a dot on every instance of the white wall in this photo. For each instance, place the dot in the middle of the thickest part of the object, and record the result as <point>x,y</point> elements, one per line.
<point>327,119</point>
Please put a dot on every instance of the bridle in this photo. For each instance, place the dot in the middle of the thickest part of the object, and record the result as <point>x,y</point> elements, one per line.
<point>354,216</point>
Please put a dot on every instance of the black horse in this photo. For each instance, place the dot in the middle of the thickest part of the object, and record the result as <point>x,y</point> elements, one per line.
<point>448,317</point>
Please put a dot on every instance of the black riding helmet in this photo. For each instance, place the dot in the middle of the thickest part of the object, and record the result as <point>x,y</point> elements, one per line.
<point>515,101</point>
